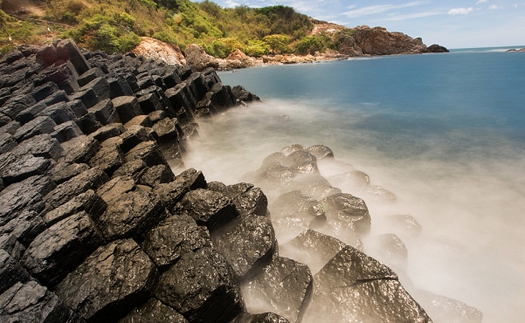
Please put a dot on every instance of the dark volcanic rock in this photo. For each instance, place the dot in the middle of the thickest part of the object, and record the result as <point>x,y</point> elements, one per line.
<point>90,179</point>
<point>154,311</point>
<point>201,286</point>
<point>353,287</point>
<point>148,152</point>
<point>301,162</point>
<point>174,237</point>
<point>31,302</point>
<point>67,49</point>
<point>25,227</point>
<point>40,146</point>
<point>248,245</point>
<point>209,208</point>
<point>247,198</point>
<point>320,151</point>
<point>80,149</point>
<point>293,213</point>
<point>312,248</point>
<point>435,48</point>
<point>285,285</point>
<point>25,196</point>
<point>24,167</point>
<point>348,208</point>
<point>131,215</point>
<point>171,193</point>
<point>89,202</point>
<point>110,282</point>
<point>62,247</point>
<point>11,272</point>
<point>260,318</point>
<point>39,125</point>
<point>194,179</point>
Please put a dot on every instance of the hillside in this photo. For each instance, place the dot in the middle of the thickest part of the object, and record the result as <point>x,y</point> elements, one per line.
<point>118,26</point>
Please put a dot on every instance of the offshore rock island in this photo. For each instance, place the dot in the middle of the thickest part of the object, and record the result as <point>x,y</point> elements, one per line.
<point>96,227</point>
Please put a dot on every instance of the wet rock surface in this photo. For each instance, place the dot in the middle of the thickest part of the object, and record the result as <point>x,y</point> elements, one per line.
<point>95,225</point>
<point>87,196</point>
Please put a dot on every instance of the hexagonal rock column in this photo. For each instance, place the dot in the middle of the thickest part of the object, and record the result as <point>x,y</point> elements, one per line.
<point>174,237</point>
<point>201,287</point>
<point>131,215</point>
<point>283,287</point>
<point>61,248</point>
<point>111,281</point>
<point>248,245</point>
<point>208,208</point>
<point>353,287</point>
<point>31,302</point>
<point>154,311</point>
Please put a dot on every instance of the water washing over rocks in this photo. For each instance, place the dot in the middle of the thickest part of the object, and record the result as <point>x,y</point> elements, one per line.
<point>96,227</point>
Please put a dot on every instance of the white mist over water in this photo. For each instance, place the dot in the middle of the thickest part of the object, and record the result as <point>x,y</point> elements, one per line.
<point>465,187</point>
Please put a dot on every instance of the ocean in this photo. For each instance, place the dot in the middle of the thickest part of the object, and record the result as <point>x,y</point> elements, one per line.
<point>444,132</point>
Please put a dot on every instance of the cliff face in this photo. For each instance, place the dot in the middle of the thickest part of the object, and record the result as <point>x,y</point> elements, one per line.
<point>378,41</point>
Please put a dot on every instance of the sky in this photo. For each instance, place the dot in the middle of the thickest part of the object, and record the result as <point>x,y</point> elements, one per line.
<point>453,24</point>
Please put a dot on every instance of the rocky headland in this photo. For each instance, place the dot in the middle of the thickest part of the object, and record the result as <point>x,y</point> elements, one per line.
<point>96,227</point>
<point>364,41</point>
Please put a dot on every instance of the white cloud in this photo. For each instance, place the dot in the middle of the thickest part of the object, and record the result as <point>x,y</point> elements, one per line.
<point>232,3</point>
<point>414,15</point>
<point>460,11</point>
<point>377,9</point>
<point>493,7</point>
<point>515,5</point>
<point>482,1</point>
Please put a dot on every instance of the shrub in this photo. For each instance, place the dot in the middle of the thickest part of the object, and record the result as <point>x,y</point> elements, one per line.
<point>311,44</point>
<point>278,44</point>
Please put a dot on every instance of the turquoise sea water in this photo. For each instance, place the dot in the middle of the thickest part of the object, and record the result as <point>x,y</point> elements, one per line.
<point>444,132</point>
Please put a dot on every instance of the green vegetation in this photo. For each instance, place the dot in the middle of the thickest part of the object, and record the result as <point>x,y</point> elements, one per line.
<point>117,25</point>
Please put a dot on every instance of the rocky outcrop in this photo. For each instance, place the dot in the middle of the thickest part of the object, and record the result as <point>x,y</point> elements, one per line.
<point>378,41</point>
<point>90,229</point>
<point>160,51</point>
<point>198,58</point>
<point>96,227</point>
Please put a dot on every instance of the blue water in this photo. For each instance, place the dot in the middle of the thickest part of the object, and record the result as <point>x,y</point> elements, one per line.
<point>444,132</point>
<point>422,96</point>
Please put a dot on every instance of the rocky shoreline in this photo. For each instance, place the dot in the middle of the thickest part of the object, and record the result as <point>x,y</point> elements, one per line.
<point>365,42</point>
<point>96,227</point>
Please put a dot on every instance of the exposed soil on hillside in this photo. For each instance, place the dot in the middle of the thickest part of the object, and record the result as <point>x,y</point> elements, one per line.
<point>24,7</point>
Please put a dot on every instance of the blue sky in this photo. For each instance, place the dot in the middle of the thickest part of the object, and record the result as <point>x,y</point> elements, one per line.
<point>453,24</point>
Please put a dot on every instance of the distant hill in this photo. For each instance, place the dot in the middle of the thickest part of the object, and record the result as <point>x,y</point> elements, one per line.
<point>116,26</point>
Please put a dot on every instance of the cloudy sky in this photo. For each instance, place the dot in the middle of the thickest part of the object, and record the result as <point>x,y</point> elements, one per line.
<point>454,24</point>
